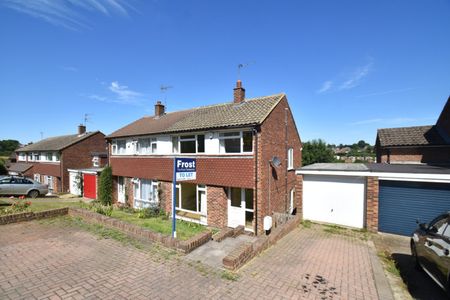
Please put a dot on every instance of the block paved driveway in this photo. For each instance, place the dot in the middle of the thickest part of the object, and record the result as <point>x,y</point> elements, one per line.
<point>50,261</point>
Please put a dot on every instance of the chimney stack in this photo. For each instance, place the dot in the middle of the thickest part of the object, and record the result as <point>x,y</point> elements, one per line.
<point>81,129</point>
<point>238,92</point>
<point>159,109</point>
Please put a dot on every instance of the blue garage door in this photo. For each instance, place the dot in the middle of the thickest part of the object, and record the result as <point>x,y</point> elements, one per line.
<point>402,203</point>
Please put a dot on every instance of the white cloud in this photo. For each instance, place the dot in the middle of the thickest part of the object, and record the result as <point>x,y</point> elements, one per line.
<point>98,98</point>
<point>121,94</point>
<point>65,13</point>
<point>357,76</point>
<point>325,87</point>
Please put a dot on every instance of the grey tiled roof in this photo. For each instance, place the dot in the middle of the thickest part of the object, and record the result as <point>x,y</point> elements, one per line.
<point>410,136</point>
<point>250,112</point>
<point>56,143</point>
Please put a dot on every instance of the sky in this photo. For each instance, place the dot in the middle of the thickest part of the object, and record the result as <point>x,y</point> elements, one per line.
<point>347,67</point>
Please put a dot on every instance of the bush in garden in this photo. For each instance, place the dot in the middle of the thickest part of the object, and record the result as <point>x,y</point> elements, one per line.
<point>105,187</point>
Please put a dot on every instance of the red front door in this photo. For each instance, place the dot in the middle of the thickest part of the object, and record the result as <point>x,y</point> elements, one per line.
<point>89,186</point>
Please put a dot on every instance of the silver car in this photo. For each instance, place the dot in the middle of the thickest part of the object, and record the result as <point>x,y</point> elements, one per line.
<point>12,186</point>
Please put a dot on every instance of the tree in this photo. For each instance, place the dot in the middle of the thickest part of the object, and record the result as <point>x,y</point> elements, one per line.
<point>105,187</point>
<point>316,151</point>
<point>8,146</point>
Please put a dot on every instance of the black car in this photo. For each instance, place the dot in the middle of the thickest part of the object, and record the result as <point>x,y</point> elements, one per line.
<point>430,247</point>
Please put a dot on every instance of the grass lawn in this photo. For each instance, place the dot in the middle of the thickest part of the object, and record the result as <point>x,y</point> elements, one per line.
<point>39,204</point>
<point>185,230</point>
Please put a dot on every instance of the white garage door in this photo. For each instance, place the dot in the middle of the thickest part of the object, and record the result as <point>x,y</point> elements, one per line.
<point>334,199</point>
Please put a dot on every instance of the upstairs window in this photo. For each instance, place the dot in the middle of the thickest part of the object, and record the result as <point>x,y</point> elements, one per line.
<point>236,142</point>
<point>37,156</point>
<point>201,143</point>
<point>56,156</point>
<point>146,145</point>
<point>30,156</point>
<point>187,144</point>
<point>290,158</point>
<point>121,146</point>
<point>22,156</point>
<point>49,156</point>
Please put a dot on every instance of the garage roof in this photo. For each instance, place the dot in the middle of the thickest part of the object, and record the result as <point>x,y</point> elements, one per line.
<point>383,168</point>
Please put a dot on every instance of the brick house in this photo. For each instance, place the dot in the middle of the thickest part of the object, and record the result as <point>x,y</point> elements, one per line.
<point>238,180</point>
<point>48,160</point>
<point>418,144</point>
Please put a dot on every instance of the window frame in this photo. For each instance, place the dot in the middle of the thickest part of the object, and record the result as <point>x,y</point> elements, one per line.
<point>178,139</point>
<point>137,190</point>
<point>290,159</point>
<point>198,188</point>
<point>238,135</point>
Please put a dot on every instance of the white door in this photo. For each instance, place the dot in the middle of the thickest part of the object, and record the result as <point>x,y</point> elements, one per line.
<point>121,190</point>
<point>50,184</point>
<point>236,207</point>
<point>334,199</point>
<point>74,186</point>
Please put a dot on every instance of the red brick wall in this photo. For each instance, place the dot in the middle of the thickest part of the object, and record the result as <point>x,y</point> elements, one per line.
<point>372,192</point>
<point>79,156</point>
<point>222,171</point>
<point>414,154</point>
<point>217,206</point>
<point>271,142</point>
<point>50,169</point>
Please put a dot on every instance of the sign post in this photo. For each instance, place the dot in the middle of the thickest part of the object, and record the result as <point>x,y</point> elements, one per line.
<point>183,169</point>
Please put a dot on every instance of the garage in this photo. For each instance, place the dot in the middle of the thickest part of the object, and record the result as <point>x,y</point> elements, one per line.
<point>334,199</point>
<point>401,203</point>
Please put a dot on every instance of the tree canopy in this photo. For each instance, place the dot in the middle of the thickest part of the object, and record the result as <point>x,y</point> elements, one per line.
<point>316,151</point>
<point>8,146</point>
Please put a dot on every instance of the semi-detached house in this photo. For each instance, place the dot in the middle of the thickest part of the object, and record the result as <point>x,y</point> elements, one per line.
<point>49,160</point>
<point>247,151</point>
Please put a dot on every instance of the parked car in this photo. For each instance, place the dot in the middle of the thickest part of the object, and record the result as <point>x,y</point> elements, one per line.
<point>12,185</point>
<point>430,247</point>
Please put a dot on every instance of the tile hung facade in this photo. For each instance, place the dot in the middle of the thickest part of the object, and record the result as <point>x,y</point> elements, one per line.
<point>49,160</point>
<point>233,143</point>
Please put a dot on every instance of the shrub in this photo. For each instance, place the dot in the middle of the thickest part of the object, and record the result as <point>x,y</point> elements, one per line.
<point>105,186</point>
<point>16,207</point>
<point>149,212</point>
<point>3,170</point>
<point>103,209</point>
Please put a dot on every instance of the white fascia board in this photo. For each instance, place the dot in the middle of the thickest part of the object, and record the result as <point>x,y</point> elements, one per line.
<point>444,178</point>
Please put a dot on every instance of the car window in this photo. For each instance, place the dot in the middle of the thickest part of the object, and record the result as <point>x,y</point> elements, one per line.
<point>5,180</point>
<point>26,181</point>
<point>439,226</point>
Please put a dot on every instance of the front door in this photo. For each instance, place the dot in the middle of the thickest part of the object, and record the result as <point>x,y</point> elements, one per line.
<point>121,190</point>
<point>236,208</point>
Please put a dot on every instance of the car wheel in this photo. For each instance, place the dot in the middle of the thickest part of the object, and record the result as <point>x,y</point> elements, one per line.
<point>33,194</point>
<point>414,255</point>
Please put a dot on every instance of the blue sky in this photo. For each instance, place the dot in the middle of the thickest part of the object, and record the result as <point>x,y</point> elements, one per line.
<point>347,67</point>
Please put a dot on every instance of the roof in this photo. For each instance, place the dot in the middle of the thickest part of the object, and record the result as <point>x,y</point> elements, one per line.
<point>19,167</point>
<point>56,143</point>
<point>250,112</point>
<point>410,136</point>
<point>376,168</point>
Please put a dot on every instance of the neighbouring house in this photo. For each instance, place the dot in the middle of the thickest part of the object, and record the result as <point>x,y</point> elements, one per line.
<point>48,160</point>
<point>418,144</point>
<point>379,197</point>
<point>247,151</point>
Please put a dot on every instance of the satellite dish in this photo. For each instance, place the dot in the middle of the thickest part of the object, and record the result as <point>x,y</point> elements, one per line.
<point>275,161</point>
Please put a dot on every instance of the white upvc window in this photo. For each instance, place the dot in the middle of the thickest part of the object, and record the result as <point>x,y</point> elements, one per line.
<point>145,193</point>
<point>121,147</point>
<point>147,146</point>
<point>96,161</point>
<point>194,143</point>
<point>36,156</point>
<point>290,155</point>
<point>56,156</point>
<point>189,198</point>
<point>49,156</point>
<point>236,142</point>
<point>22,156</point>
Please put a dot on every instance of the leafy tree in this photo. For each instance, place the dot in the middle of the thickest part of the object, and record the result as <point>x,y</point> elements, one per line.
<point>362,144</point>
<point>316,151</point>
<point>105,187</point>
<point>8,146</point>
<point>3,170</point>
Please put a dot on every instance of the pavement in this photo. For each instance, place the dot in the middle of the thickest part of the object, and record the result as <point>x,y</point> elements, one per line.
<point>414,283</point>
<point>212,253</point>
<point>42,260</point>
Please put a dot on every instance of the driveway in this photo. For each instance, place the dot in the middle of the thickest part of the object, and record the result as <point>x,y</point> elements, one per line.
<point>418,284</point>
<point>60,260</point>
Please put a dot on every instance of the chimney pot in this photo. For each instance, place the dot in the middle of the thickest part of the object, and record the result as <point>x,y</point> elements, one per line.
<point>159,109</point>
<point>81,129</point>
<point>238,92</point>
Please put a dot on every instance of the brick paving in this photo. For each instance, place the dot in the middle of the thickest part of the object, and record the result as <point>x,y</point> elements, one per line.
<point>47,261</point>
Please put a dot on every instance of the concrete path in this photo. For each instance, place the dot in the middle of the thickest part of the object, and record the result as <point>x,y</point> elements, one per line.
<point>212,253</point>
<point>56,261</point>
